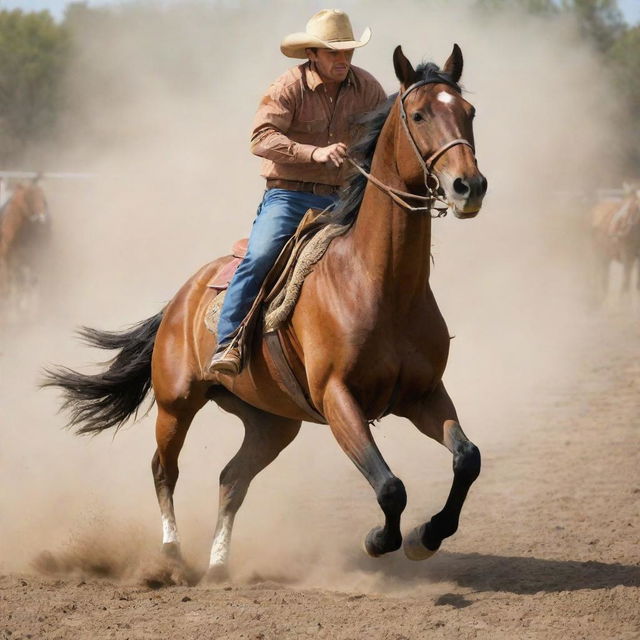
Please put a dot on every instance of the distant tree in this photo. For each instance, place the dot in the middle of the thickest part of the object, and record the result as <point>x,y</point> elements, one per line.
<point>624,61</point>
<point>601,21</point>
<point>34,52</point>
<point>541,7</point>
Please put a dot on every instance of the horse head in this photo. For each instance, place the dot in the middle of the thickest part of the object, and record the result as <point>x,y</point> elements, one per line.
<point>436,150</point>
<point>35,207</point>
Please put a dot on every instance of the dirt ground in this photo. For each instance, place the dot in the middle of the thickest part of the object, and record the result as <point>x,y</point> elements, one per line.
<point>548,547</point>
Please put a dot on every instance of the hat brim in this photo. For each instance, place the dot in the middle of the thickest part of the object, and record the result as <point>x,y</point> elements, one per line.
<point>294,45</point>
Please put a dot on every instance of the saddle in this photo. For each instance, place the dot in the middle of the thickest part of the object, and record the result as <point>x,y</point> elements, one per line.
<point>278,295</point>
<point>281,288</point>
<point>223,277</point>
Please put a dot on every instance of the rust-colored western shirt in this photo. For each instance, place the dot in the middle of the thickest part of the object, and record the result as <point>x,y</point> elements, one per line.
<point>296,116</point>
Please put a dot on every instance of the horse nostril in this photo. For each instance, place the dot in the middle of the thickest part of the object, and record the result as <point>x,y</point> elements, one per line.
<point>460,186</point>
<point>483,185</point>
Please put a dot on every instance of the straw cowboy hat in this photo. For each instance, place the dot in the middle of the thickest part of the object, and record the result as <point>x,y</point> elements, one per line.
<point>327,29</point>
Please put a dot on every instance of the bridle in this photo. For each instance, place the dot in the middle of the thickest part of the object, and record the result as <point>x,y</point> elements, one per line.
<point>431,182</point>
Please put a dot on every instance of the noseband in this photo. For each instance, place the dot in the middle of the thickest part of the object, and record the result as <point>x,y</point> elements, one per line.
<point>431,182</point>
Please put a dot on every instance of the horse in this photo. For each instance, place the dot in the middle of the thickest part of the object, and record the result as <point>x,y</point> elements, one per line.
<point>24,221</point>
<point>615,236</point>
<point>366,338</point>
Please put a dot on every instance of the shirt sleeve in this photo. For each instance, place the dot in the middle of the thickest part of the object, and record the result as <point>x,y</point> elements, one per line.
<point>272,122</point>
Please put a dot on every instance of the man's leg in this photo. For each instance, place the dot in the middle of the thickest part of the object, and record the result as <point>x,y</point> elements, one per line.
<point>278,218</point>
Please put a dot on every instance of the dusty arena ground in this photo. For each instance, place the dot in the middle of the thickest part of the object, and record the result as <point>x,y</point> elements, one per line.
<point>548,546</point>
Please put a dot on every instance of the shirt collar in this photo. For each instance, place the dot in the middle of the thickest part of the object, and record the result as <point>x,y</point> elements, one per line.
<point>314,80</point>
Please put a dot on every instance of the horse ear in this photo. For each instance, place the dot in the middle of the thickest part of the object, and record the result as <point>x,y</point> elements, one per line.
<point>453,66</point>
<point>404,71</point>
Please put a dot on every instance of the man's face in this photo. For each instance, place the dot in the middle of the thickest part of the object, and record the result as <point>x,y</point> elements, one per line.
<point>332,65</point>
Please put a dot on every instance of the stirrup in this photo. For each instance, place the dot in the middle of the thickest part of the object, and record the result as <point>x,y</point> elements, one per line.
<point>226,359</point>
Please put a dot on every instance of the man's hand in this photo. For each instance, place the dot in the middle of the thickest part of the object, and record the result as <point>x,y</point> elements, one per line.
<point>335,153</point>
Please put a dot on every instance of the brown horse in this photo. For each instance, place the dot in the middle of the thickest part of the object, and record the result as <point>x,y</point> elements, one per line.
<point>23,216</point>
<point>366,338</point>
<point>615,234</point>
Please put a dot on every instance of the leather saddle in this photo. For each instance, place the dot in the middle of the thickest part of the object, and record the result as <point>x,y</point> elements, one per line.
<point>276,280</point>
<point>312,221</point>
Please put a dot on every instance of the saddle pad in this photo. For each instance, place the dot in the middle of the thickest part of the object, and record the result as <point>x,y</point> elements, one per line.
<point>281,305</point>
<point>280,290</point>
<point>212,314</point>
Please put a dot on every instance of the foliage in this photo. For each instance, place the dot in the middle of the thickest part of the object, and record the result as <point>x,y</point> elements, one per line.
<point>600,20</point>
<point>34,52</point>
<point>624,60</point>
<point>37,55</point>
<point>541,7</point>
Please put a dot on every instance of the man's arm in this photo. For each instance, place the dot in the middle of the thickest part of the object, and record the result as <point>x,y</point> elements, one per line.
<point>272,122</point>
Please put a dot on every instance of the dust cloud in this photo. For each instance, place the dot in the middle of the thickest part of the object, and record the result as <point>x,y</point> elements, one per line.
<point>163,105</point>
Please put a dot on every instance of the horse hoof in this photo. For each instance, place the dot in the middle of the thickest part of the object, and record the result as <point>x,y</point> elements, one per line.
<point>217,574</point>
<point>413,547</point>
<point>369,543</point>
<point>376,545</point>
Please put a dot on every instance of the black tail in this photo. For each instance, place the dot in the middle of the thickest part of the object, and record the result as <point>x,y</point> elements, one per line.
<point>109,399</point>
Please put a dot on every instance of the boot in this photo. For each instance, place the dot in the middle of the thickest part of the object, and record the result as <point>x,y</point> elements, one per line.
<point>226,359</point>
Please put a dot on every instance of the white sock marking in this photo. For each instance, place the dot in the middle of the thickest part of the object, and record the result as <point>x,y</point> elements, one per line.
<point>220,546</point>
<point>169,530</point>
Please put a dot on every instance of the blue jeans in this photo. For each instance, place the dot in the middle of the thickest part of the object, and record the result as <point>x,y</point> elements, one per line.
<point>277,219</point>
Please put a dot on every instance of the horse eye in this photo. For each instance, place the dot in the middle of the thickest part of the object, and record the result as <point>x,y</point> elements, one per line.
<point>417,116</point>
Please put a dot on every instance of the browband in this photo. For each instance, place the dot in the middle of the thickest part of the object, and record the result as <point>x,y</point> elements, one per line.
<point>434,78</point>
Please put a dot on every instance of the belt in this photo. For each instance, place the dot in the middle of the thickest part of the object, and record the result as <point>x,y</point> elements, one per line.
<point>317,188</point>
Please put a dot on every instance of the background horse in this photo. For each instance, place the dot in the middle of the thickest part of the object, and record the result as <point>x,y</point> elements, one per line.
<point>615,234</point>
<point>366,338</point>
<point>24,234</point>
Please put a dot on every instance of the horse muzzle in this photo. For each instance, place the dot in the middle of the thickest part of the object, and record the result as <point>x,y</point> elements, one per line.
<point>464,194</point>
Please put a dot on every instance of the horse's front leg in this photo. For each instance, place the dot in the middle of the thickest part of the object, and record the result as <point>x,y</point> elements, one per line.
<point>351,430</point>
<point>436,417</point>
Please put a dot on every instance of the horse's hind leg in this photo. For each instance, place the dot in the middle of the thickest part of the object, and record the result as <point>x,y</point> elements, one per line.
<point>436,417</point>
<point>351,430</point>
<point>172,424</point>
<point>266,435</point>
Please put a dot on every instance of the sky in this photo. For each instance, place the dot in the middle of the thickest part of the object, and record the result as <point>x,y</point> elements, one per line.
<point>630,8</point>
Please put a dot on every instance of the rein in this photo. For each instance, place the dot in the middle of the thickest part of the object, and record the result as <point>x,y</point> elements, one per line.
<point>430,178</point>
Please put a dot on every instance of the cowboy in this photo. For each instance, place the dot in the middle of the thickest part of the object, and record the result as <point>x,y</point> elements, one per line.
<point>302,130</point>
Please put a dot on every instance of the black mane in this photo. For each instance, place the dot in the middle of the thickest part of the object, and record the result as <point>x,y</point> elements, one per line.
<point>362,150</point>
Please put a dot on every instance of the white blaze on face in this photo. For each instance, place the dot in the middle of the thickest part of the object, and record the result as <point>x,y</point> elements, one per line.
<point>445,97</point>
